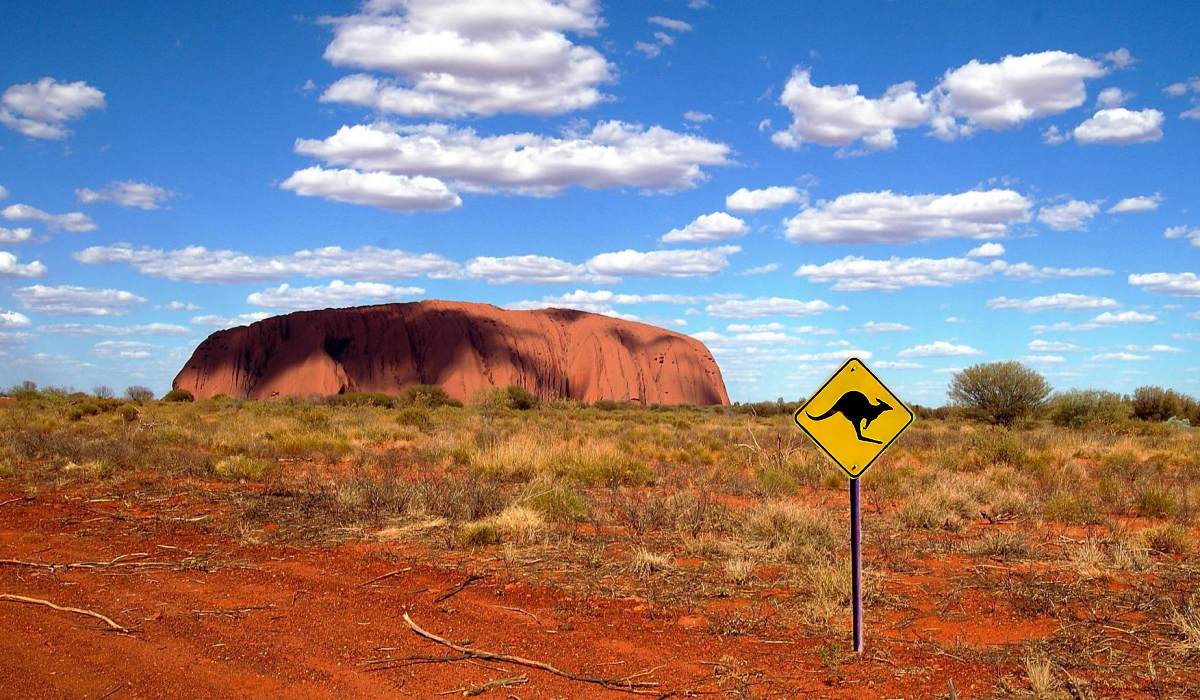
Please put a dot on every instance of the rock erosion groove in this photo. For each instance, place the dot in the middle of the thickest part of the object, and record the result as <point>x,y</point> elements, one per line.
<point>462,347</point>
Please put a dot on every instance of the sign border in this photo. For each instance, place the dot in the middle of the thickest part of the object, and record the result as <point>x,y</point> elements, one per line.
<point>796,417</point>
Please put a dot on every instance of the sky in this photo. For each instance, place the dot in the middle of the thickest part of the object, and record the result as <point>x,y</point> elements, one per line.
<point>923,185</point>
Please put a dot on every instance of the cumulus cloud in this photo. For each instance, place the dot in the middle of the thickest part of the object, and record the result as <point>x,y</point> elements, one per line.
<point>987,250</point>
<point>1052,346</point>
<point>15,235</point>
<point>75,222</point>
<point>1052,136</point>
<point>898,364</point>
<point>1156,347</point>
<point>11,267</point>
<point>1062,301</point>
<point>760,269</point>
<point>378,189</point>
<point>857,274</point>
<point>530,269</point>
<point>126,193</point>
<point>124,349</point>
<point>199,264</point>
<point>1068,216</point>
<point>1026,271</point>
<point>837,115</point>
<point>180,306</point>
<point>98,329</point>
<point>77,301</point>
<point>745,200</point>
<point>13,319</point>
<point>767,306</point>
<point>675,25</point>
<point>337,293</point>
<point>1112,97</point>
<point>452,58</point>
<point>885,327</point>
<point>885,217</point>
<point>1120,58</point>
<point>939,348</point>
<point>706,228</point>
<point>1044,359</point>
<point>1183,284</point>
<point>1120,357</point>
<point>1121,126</point>
<point>216,321</point>
<point>697,117</point>
<point>603,301</point>
<point>41,110</point>
<point>612,154</point>
<point>1191,234</point>
<point>1106,319</point>
<point>662,263</point>
<point>3,192</point>
<point>1131,205</point>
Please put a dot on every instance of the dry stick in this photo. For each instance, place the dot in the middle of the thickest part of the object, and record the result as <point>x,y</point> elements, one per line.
<point>458,589</point>
<point>472,690</point>
<point>389,574</point>
<point>523,612</point>
<point>628,686</point>
<point>14,500</point>
<point>90,613</point>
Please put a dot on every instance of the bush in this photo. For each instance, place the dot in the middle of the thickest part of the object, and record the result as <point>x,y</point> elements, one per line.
<point>179,396</point>
<point>414,417</point>
<point>520,398</point>
<point>1154,403</point>
<point>999,392</point>
<point>1083,407</point>
<point>139,393</point>
<point>128,413</point>
<point>427,396</point>
<point>362,398</point>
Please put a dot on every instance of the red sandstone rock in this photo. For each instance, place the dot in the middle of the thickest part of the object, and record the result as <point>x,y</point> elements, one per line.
<point>459,346</point>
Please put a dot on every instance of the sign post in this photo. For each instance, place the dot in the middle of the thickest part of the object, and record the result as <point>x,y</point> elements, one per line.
<point>853,418</point>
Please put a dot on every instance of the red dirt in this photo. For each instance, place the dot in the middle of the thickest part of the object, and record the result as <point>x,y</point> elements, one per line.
<point>554,353</point>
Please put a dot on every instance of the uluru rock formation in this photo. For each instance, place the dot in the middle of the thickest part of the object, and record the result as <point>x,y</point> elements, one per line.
<point>462,347</point>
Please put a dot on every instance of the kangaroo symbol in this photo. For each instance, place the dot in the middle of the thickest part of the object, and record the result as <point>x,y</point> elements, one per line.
<point>858,409</point>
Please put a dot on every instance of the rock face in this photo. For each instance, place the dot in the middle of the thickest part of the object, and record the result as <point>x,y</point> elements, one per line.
<point>461,347</point>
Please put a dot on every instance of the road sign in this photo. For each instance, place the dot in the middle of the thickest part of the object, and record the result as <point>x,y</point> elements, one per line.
<point>853,417</point>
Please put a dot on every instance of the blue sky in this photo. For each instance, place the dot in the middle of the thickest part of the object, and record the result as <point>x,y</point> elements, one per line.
<point>924,186</point>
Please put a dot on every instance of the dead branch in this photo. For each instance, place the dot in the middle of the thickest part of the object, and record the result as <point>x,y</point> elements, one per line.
<point>523,612</point>
<point>115,562</point>
<point>473,690</point>
<point>79,611</point>
<point>14,500</point>
<point>389,574</point>
<point>458,589</point>
<point>624,685</point>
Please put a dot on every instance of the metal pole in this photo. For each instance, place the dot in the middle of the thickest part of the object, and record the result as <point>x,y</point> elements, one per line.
<point>856,563</point>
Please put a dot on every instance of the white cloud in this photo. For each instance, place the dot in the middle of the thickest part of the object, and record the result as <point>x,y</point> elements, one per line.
<point>1026,271</point>
<point>612,154</point>
<point>939,348</point>
<point>13,319</point>
<point>89,329</point>
<point>3,192</point>
<point>1010,92</point>
<point>1064,301</point>
<point>10,267</point>
<point>898,364</point>
<point>706,228</point>
<point>180,306</point>
<point>767,306</point>
<point>530,269</point>
<point>1120,58</point>
<point>123,349</point>
<point>1193,113</point>
<point>41,110</point>
<point>377,189</point>
<point>1157,347</point>
<point>126,193</point>
<point>1183,284</point>
<point>602,301</point>
<point>885,327</point>
<point>9,339</point>
<point>1069,216</point>
<point>1121,126</point>
<point>647,49</point>
<point>755,327</point>
<point>1044,359</point>
<point>675,25</point>
<point>453,58</point>
<point>1112,97</point>
<point>837,115</point>
<point>830,356</point>
<point>336,293</point>
<point>1052,136</point>
<point>10,236</point>
<point>1131,205</point>
<point>75,222</point>
<point>1052,346</point>
<point>1191,234</point>
<point>1106,319</point>
<point>77,301</point>
<point>1120,357</point>
<point>955,319</point>
<point>697,117</point>
<point>217,321</point>
<point>884,217</point>
<point>857,274</point>
<point>662,263</point>
<point>199,264</point>
<point>744,200</point>
<point>987,250</point>
<point>760,269</point>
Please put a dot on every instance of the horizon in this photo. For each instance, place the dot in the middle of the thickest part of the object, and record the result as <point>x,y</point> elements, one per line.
<point>792,187</point>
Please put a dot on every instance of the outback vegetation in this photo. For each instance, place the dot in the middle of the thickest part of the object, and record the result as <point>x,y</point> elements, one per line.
<point>1017,544</point>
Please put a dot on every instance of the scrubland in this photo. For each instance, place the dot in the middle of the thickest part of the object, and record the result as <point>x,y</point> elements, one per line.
<point>1025,561</point>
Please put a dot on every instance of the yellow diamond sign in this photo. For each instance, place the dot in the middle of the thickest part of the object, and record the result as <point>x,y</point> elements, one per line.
<point>853,417</point>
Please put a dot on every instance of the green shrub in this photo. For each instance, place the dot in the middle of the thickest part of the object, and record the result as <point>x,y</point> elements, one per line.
<point>1154,403</point>
<point>1079,408</point>
<point>477,534</point>
<point>520,398</point>
<point>556,499</point>
<point>179,396</point>
<point>414,417</point>
<point>139,393</point>
<point>1155,501</point>
<point>242,467</point>
<point>363,398</point>
<point>1171,539</point>
<point>128,413</point>
<point>427,396</point>
<point>999,392</point>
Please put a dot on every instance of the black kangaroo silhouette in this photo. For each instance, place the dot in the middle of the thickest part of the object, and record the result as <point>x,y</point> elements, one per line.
<point>858,409</point>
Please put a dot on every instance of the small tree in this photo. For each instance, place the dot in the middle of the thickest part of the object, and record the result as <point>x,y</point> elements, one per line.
<point>1080,407</point>
<point>179,396</point>
<point>103,392</point>
<point>1156,403</point>
<point>139,393</point>
<point>999,392</point>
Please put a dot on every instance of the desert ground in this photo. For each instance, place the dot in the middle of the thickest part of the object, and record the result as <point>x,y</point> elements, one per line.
<point>371,547</point>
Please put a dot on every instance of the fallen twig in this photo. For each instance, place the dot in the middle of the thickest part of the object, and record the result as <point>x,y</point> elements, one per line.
<point>14,500</point>
<point>473,690</point>
<point>119,561</point>
<point>80,611</point>
<point>624,685</point>
<point>523,612</point>
<point>458,589</point>
<point>389,574</point>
